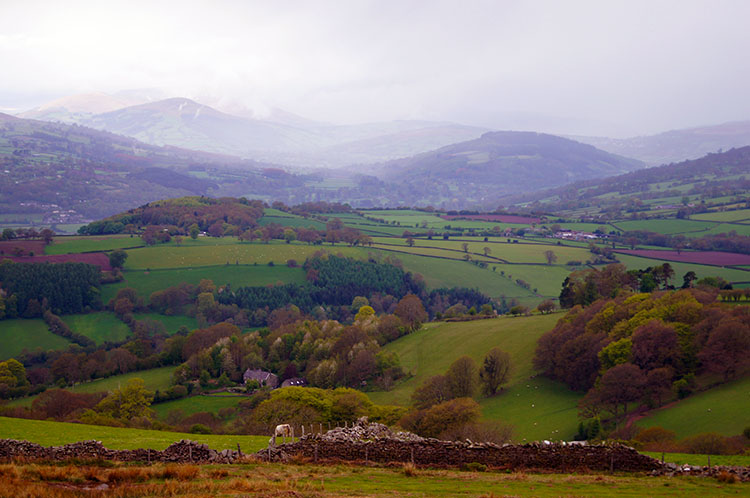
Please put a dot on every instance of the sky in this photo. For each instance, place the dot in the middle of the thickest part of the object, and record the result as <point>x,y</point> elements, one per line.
<point>610,68</point>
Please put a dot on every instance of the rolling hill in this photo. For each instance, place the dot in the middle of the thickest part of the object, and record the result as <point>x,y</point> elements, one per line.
<point>676,145</point>
<point>502,162</point>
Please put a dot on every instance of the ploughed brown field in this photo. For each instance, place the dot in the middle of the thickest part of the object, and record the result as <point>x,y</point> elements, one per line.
<point>699,257</point>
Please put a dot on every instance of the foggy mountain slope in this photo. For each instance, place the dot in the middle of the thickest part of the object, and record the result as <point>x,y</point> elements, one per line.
<point>676,145</point>
<point>278,137</point>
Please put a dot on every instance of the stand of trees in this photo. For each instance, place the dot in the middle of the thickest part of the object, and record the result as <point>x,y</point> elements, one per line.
<point>645,347</point>
<point>32,288</point>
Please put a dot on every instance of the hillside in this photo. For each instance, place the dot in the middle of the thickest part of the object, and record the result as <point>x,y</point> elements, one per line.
<point>676,145</point>
<point>500,163</point>
<point>695,185</point>
<point>68,173</point>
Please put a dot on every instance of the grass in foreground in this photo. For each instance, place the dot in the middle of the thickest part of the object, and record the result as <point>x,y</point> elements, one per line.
<point>256,479</point>
<point>19,334</point>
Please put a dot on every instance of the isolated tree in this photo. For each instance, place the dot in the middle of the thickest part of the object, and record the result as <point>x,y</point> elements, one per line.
<point>546,306</point>
<point>487,251</point>
<point>132,400</point>
<point>433,391</point>
<point>47,235</point>
<point>117,258</point>
<point>465,247</point>
<point>462,377</point>
<point>194,231</point>
<point>688,279</point>
<point>550,256</point>
<point>410,241</point>
<point>411,311</point>
<point>495,371</point>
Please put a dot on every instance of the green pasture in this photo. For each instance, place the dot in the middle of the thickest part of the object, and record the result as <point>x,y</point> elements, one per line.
<point>499,248</point>
<point>146,282</point>
<point>171,323</point>
<point>666,226</point>
<point>740,229</point>
<point>197,404</point>
<point>78,243</point>
<point>30,334</point>
<point>290,220</point>
<point>99,327</point>
<point>156,257</point>
<point>737,215</point>
<point>435,252</point>
<point>680,269</point>
<point>724,409</point>
<point>156,378</point>
<point>49,433</point>
<point>431,350</point>
<point>451,273</point>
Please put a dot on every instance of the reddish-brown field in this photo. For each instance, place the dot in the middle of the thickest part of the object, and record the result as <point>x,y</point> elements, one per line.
<point>8,247</point>
<point>715,258</point>
<point>502,218</point>
<point>98,259</point>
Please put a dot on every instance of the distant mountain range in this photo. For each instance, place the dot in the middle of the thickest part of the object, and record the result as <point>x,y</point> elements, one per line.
<point>676,145</point>
<point>280,137</point>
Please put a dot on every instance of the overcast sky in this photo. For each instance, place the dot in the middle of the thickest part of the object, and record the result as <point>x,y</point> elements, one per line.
<point>589,67</point>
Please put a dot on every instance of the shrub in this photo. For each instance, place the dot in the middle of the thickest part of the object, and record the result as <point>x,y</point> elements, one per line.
<point>200,429</point>
<point>709,443</point>
<point>655,435</point>
<point>474,467</point>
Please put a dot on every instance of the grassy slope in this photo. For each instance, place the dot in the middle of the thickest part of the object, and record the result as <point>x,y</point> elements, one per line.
<point>100,327</point>
<point>729,415</point>
<point>19,334</point>
<point>196,404</point>
<point>59,433</point>
<point>147,282</point>
<point>77,244</point>
<point>431,350</point>
<point>171,323</point>
<point>208,255</point>
<point>680,269</point>
<point>157,378</point>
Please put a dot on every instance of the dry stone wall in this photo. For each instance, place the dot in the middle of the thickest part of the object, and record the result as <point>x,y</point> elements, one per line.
<point>183,451</point>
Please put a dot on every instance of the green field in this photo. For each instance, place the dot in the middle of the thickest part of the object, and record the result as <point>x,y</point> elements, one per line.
<point>693,459</point>
<point>19,334</point>
<point>59,433</point>
<point>195,404</point>
<point>100,327</point>
<point>171,323</point>
<point>431,350</point>
<point>666,226</point>
<point>680,269</point>
<point>156,378</point>
<point>226,254</point>
<point>146,282</point>
<point>740,229</point>
<point>77,244</point>
<point>737,215</point>
<point>729,413</point>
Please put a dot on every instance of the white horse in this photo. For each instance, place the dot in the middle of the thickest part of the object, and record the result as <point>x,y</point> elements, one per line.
<point>283,430</point>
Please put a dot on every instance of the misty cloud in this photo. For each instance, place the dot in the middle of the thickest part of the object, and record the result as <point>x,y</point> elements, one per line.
<point>572,67</point>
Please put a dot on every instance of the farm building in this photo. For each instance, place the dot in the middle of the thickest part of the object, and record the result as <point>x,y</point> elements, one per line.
<point>262,377</point>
